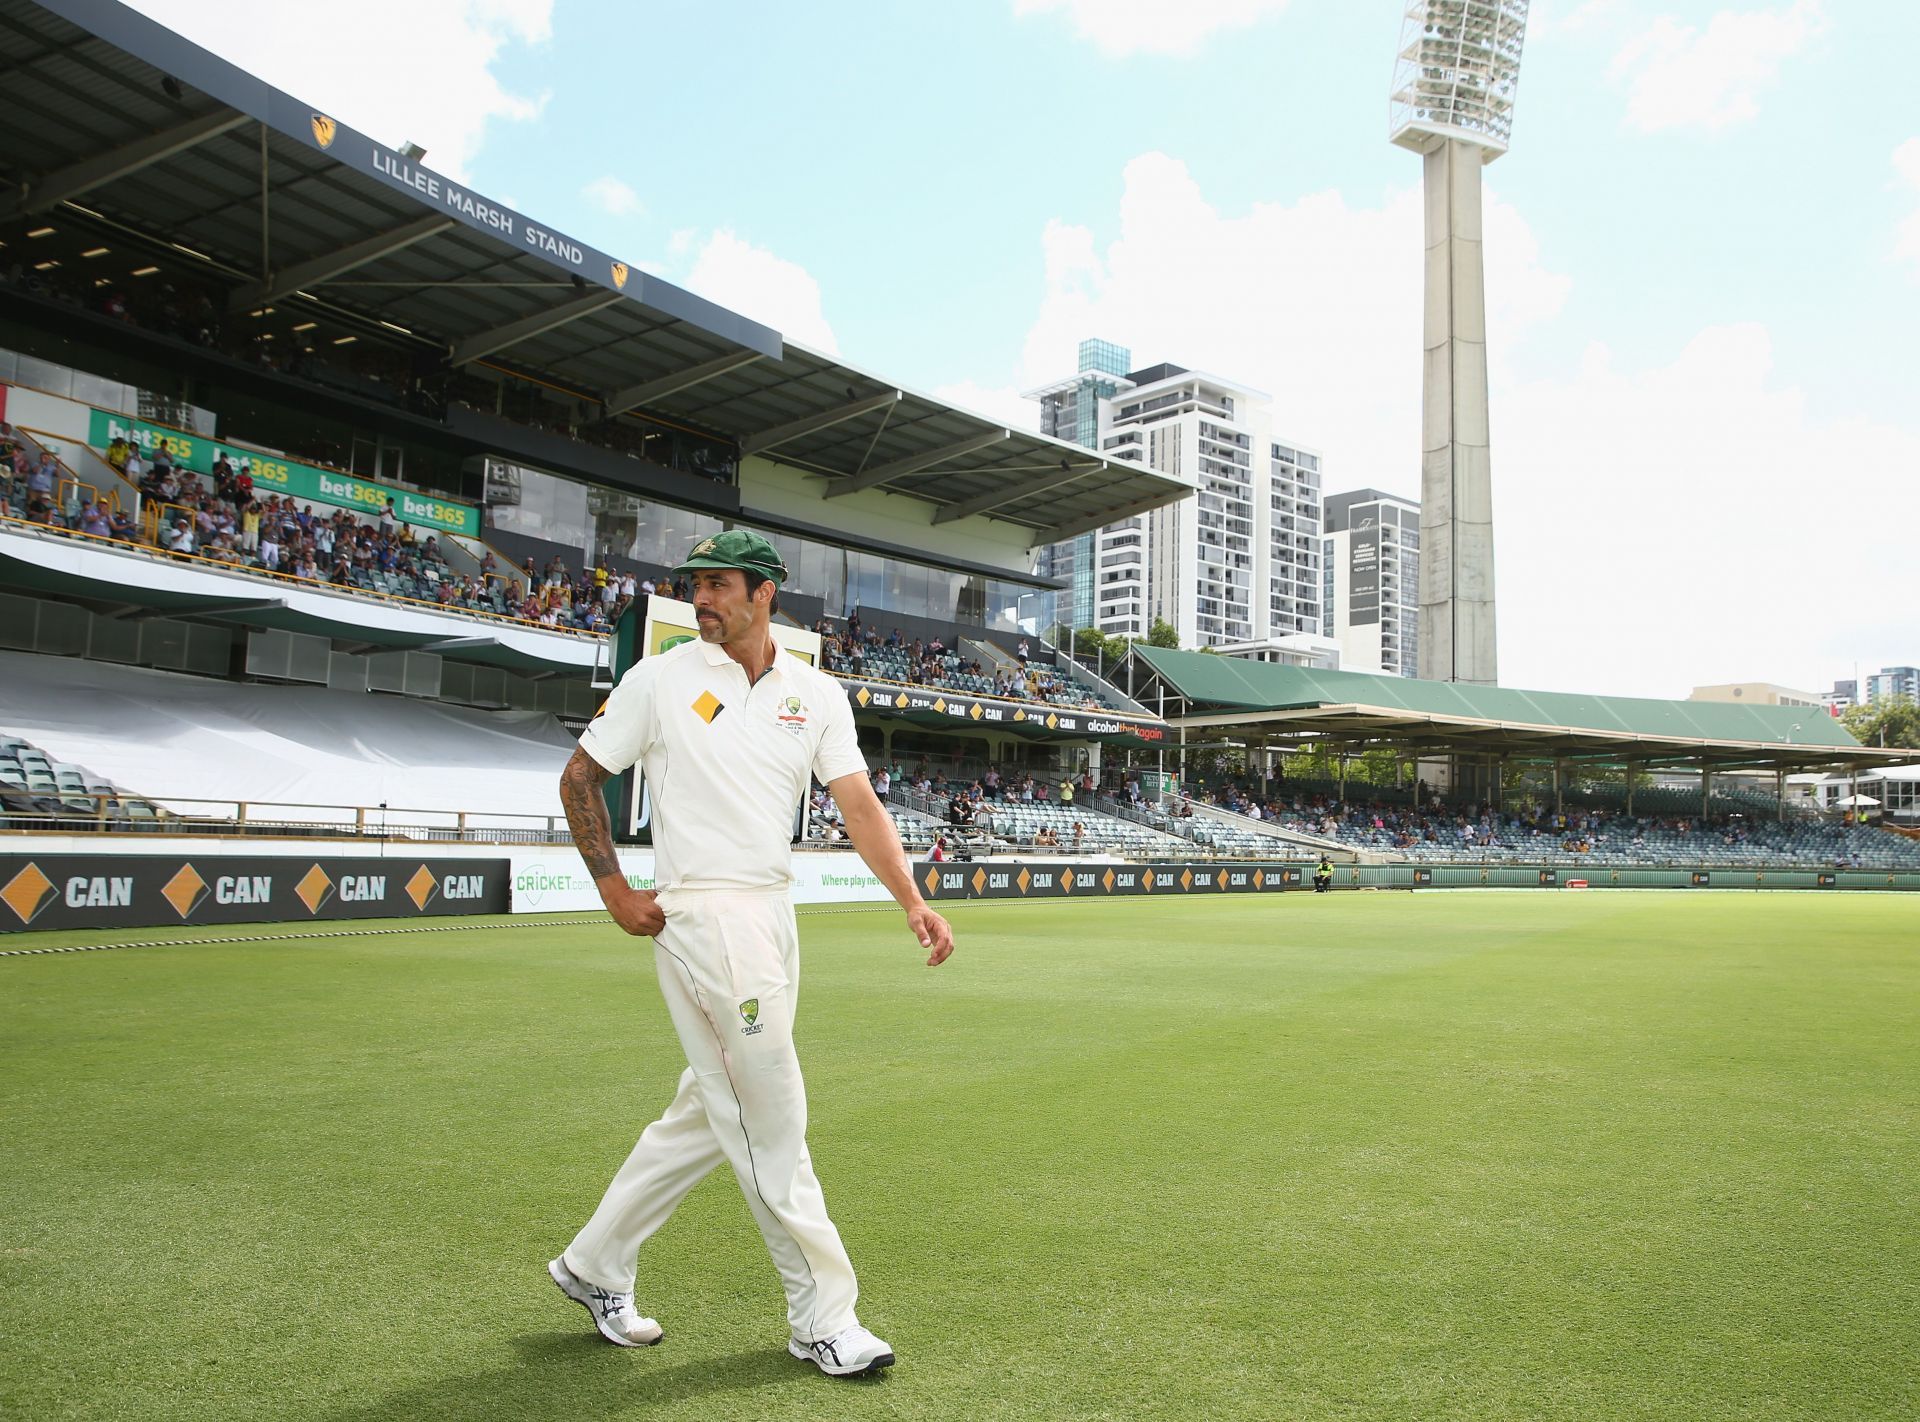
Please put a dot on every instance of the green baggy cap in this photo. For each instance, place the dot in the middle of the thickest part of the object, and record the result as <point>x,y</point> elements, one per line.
<point>737,548</point>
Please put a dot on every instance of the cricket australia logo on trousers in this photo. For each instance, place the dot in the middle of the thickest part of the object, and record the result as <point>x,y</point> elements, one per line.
<point>749,1012</point>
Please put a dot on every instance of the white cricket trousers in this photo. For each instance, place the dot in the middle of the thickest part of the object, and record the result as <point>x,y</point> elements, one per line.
<point>729,966</point>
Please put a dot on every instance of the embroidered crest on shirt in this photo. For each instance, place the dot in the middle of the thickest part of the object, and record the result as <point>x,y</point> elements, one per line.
<point>792,714</point>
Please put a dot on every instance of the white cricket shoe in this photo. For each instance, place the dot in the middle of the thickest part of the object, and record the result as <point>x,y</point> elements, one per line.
<point>613,1314</point>
<point>850,1353</point>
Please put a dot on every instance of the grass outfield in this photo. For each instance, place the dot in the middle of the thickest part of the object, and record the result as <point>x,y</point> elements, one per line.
<point>1448,1155</point>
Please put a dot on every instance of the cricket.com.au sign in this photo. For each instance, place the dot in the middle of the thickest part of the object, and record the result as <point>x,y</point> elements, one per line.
<point>142,891</point>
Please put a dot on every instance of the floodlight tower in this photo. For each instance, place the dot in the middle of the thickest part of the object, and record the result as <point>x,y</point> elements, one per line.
<point>1453,91</point>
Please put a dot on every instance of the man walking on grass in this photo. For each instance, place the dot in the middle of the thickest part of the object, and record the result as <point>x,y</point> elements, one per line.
<point>727,730</point>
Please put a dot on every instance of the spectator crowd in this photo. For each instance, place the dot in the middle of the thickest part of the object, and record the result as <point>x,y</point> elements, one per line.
<point>222,518</point>
<point>856,649</point>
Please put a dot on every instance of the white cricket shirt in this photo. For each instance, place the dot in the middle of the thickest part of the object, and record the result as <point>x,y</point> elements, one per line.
<point>725,763</point>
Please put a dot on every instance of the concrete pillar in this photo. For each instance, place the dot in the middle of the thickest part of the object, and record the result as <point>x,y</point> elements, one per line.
<point>1457,640</point>
<point>1556,787</point>
<point>1630,773</point>
<point>1780,792</point>
<point>1706,792</point>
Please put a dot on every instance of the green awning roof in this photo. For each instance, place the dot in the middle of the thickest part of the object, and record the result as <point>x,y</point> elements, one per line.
<point>1217,687</point>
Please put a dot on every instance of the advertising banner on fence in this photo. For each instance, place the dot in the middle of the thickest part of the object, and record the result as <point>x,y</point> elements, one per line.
<point>142,891</point>
<point>1054,879</point>
<point>305,483</point>
<point>927,705</point>
<point>555,881</point>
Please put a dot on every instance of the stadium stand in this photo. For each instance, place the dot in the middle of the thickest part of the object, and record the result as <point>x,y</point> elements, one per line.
<point>1474,834</point>
<point>853,649</point>
<point>203,754</point>
<point>38,792</point>
<point>220,523</point>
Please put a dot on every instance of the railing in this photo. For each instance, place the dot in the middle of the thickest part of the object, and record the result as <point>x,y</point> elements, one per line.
<point>177,815</point>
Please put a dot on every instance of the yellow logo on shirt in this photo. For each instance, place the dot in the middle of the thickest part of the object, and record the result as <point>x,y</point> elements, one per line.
<point>707,706</point>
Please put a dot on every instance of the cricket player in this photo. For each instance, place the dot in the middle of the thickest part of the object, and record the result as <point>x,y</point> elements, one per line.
<point>727,730</point>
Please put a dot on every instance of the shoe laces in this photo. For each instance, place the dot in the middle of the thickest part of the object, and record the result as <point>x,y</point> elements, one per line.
<point>610,1305</point>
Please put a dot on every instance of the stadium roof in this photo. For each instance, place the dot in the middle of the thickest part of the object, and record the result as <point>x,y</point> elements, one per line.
<point>1196,690</point>
<point>119,123</point>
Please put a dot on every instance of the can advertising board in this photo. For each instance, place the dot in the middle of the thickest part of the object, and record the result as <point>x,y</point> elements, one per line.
<point>303,483</point>
<point>1057,879</point>
<point>52,891</point>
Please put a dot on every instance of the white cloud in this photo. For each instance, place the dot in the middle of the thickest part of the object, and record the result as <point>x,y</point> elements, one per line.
<point>769,288</point>
<point>1692,522</point>
<point>1906,240</point>
<point>612,196</point>
<point>429,79</point>
<point>996,402</point>
<point>1661,522</point>
<point>1118,28</point>
<point>1317,303</point>
<point>1682,77</point>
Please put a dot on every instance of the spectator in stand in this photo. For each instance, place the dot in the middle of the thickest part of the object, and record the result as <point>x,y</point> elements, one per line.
<point>181,542</point>
<point>882,783</point>
<point>1024,651</point>
<point>44,476</point>
<point>1066,791</point>
<point>270,546</point>
<point>121,528</point>
<point>93,520</point>
<point>117,451</point>
<point>389,519</point>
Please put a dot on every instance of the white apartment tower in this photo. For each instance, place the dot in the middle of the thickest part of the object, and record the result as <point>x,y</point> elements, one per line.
<point>1370,580</point>
<point>1236,563</point>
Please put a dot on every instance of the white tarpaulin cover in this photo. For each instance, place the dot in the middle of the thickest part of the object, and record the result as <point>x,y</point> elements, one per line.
<point>174,739</point>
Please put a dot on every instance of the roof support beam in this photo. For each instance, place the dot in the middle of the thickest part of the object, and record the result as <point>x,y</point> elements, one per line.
<point>485,343</point>
<point>807,424</point>
<point>914,463</point>
<point>89,173</point>
<point>316,270</point>
<point>635,396</point>
<point>1087,525</point>
<point>1016,488</point>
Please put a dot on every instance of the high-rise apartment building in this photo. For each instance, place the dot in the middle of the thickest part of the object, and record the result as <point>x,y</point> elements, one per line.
<point>1070,410</point>
<point>1370,580</point>
<point>1236,564</point>
<point>1890,682</point>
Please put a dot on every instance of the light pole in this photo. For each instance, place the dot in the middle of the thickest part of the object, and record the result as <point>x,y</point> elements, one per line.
<point>1454,84</point>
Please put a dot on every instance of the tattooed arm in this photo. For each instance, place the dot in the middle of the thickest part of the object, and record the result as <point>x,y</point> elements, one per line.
<point>581,792</point>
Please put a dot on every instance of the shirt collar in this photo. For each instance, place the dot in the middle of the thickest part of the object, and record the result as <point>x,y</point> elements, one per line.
<point>716,656</point>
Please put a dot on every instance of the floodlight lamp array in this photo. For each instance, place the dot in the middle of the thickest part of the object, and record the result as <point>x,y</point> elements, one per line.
<point>1458,73</point>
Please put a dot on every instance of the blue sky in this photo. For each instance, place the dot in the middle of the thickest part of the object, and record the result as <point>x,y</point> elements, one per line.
<point>1703,250</point>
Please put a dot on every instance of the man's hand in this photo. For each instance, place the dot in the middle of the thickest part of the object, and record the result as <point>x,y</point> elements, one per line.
<point>933,931</point>
<point>636,910</point>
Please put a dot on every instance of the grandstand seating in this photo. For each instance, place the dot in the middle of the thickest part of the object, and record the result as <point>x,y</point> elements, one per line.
<point>1591,839</point>
<point>948,670</point>
<point>334,548</point>
<point>38,792</point>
